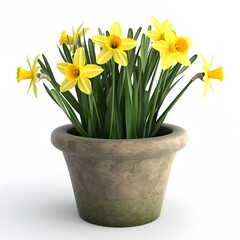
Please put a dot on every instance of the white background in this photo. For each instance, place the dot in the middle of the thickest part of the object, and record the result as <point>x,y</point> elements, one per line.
<point>202,200</point>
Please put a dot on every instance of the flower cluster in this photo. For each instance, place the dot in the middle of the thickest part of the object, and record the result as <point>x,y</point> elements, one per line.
<point>118,92</point>
<point>170,46</point>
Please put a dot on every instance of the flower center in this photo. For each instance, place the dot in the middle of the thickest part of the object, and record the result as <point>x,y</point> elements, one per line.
<point>72,72</point>
<point>114,41</point>
<point>216,73</point>
<point>181,45</point>
<point>23,74</point>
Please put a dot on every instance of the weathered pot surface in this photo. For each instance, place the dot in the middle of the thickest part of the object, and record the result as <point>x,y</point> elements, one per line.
<point>119,182</point>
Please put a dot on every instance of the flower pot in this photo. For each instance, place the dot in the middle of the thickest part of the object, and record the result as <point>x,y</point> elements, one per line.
<point>119,182</point>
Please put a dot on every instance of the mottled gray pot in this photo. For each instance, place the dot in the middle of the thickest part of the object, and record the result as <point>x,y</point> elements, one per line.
<point>119,182</point>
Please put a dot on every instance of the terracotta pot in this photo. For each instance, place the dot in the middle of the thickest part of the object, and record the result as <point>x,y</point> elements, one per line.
<point>119,182</point>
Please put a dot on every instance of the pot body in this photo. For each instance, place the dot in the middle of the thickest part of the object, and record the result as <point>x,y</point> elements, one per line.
<point>119,182</point>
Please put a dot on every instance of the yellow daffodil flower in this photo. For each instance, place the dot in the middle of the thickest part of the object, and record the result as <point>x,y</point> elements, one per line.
<point>32,74</point>
<point>78,73</point>
<point>208,74</point>
<point>173,48</point>
<point>160,29</point>
<point>67,39</point>
<point>114,46</point>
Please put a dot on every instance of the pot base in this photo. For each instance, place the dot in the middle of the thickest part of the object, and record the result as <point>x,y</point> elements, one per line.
<point>126,213</point>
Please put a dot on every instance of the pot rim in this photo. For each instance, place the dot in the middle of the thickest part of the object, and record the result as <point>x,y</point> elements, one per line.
<point>168,143</point>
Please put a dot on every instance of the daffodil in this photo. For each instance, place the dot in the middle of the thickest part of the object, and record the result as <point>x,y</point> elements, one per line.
<point>78,73</point>
<point>114,46</point>
<point>173,48</point>
<point>210,74</point>
<point>160,29</point>
<point>67,39</point>
<point>29,74</point>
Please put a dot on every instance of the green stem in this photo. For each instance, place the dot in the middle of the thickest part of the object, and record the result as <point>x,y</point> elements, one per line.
<point>113,98</point>
<point>155,97</point>
<point>97,115</point>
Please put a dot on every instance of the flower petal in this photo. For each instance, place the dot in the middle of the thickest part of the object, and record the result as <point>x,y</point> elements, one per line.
<point>78,30</point>
<point>90,71</point>
<point>30,85</point>
<point>120,57</point>
<point>166,24</point>
<point>155,36</point>
<point>167,60</point>
<point>156,24</point>
<point>182,58</point>
<point>35,89</point>
<point>73,31</point>
<point>100,40</point>
<point>205,66</point>
<point>67,85</point>
<point>206,84</point>
<point>104,56</point>
<point>79,57</point>
<point>85,85</point>
<point>210,84</point>
<point>28,61</point>
<point>35,62</point>
<point>62,67</point>
<point>210,65</point>
<point>116,29</point>
<point>161,46</point>
<point>128,43</point>
<point>35,75</point>
<point>170,36</point>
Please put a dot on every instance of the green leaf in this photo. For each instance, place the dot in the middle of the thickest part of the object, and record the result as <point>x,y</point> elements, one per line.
<point>70,111</point>
<point>86,50</point>
<point>100,32</point>
<point>58,100</point>
<point>130,33</point>
<point>72,100</point>
<point>42,66</point>
<point>112,101</point>
<point>92,51</point>
<point>137,33</point>
<point>63,104</point>
<point>145,41</point>
<point>48,68</point>
<point>49,92</point>
<point>164,114</point>
<point>67,53</point>
<point>62,54</point>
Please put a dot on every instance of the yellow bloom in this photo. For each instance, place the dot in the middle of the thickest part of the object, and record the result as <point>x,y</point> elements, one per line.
<point>173,48</point>
<point>32,74</point>
<point>160,29</point>
<point>78,73</point>
<point>67,39</point>
<point>114,46</point>
<point>208,74</point>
